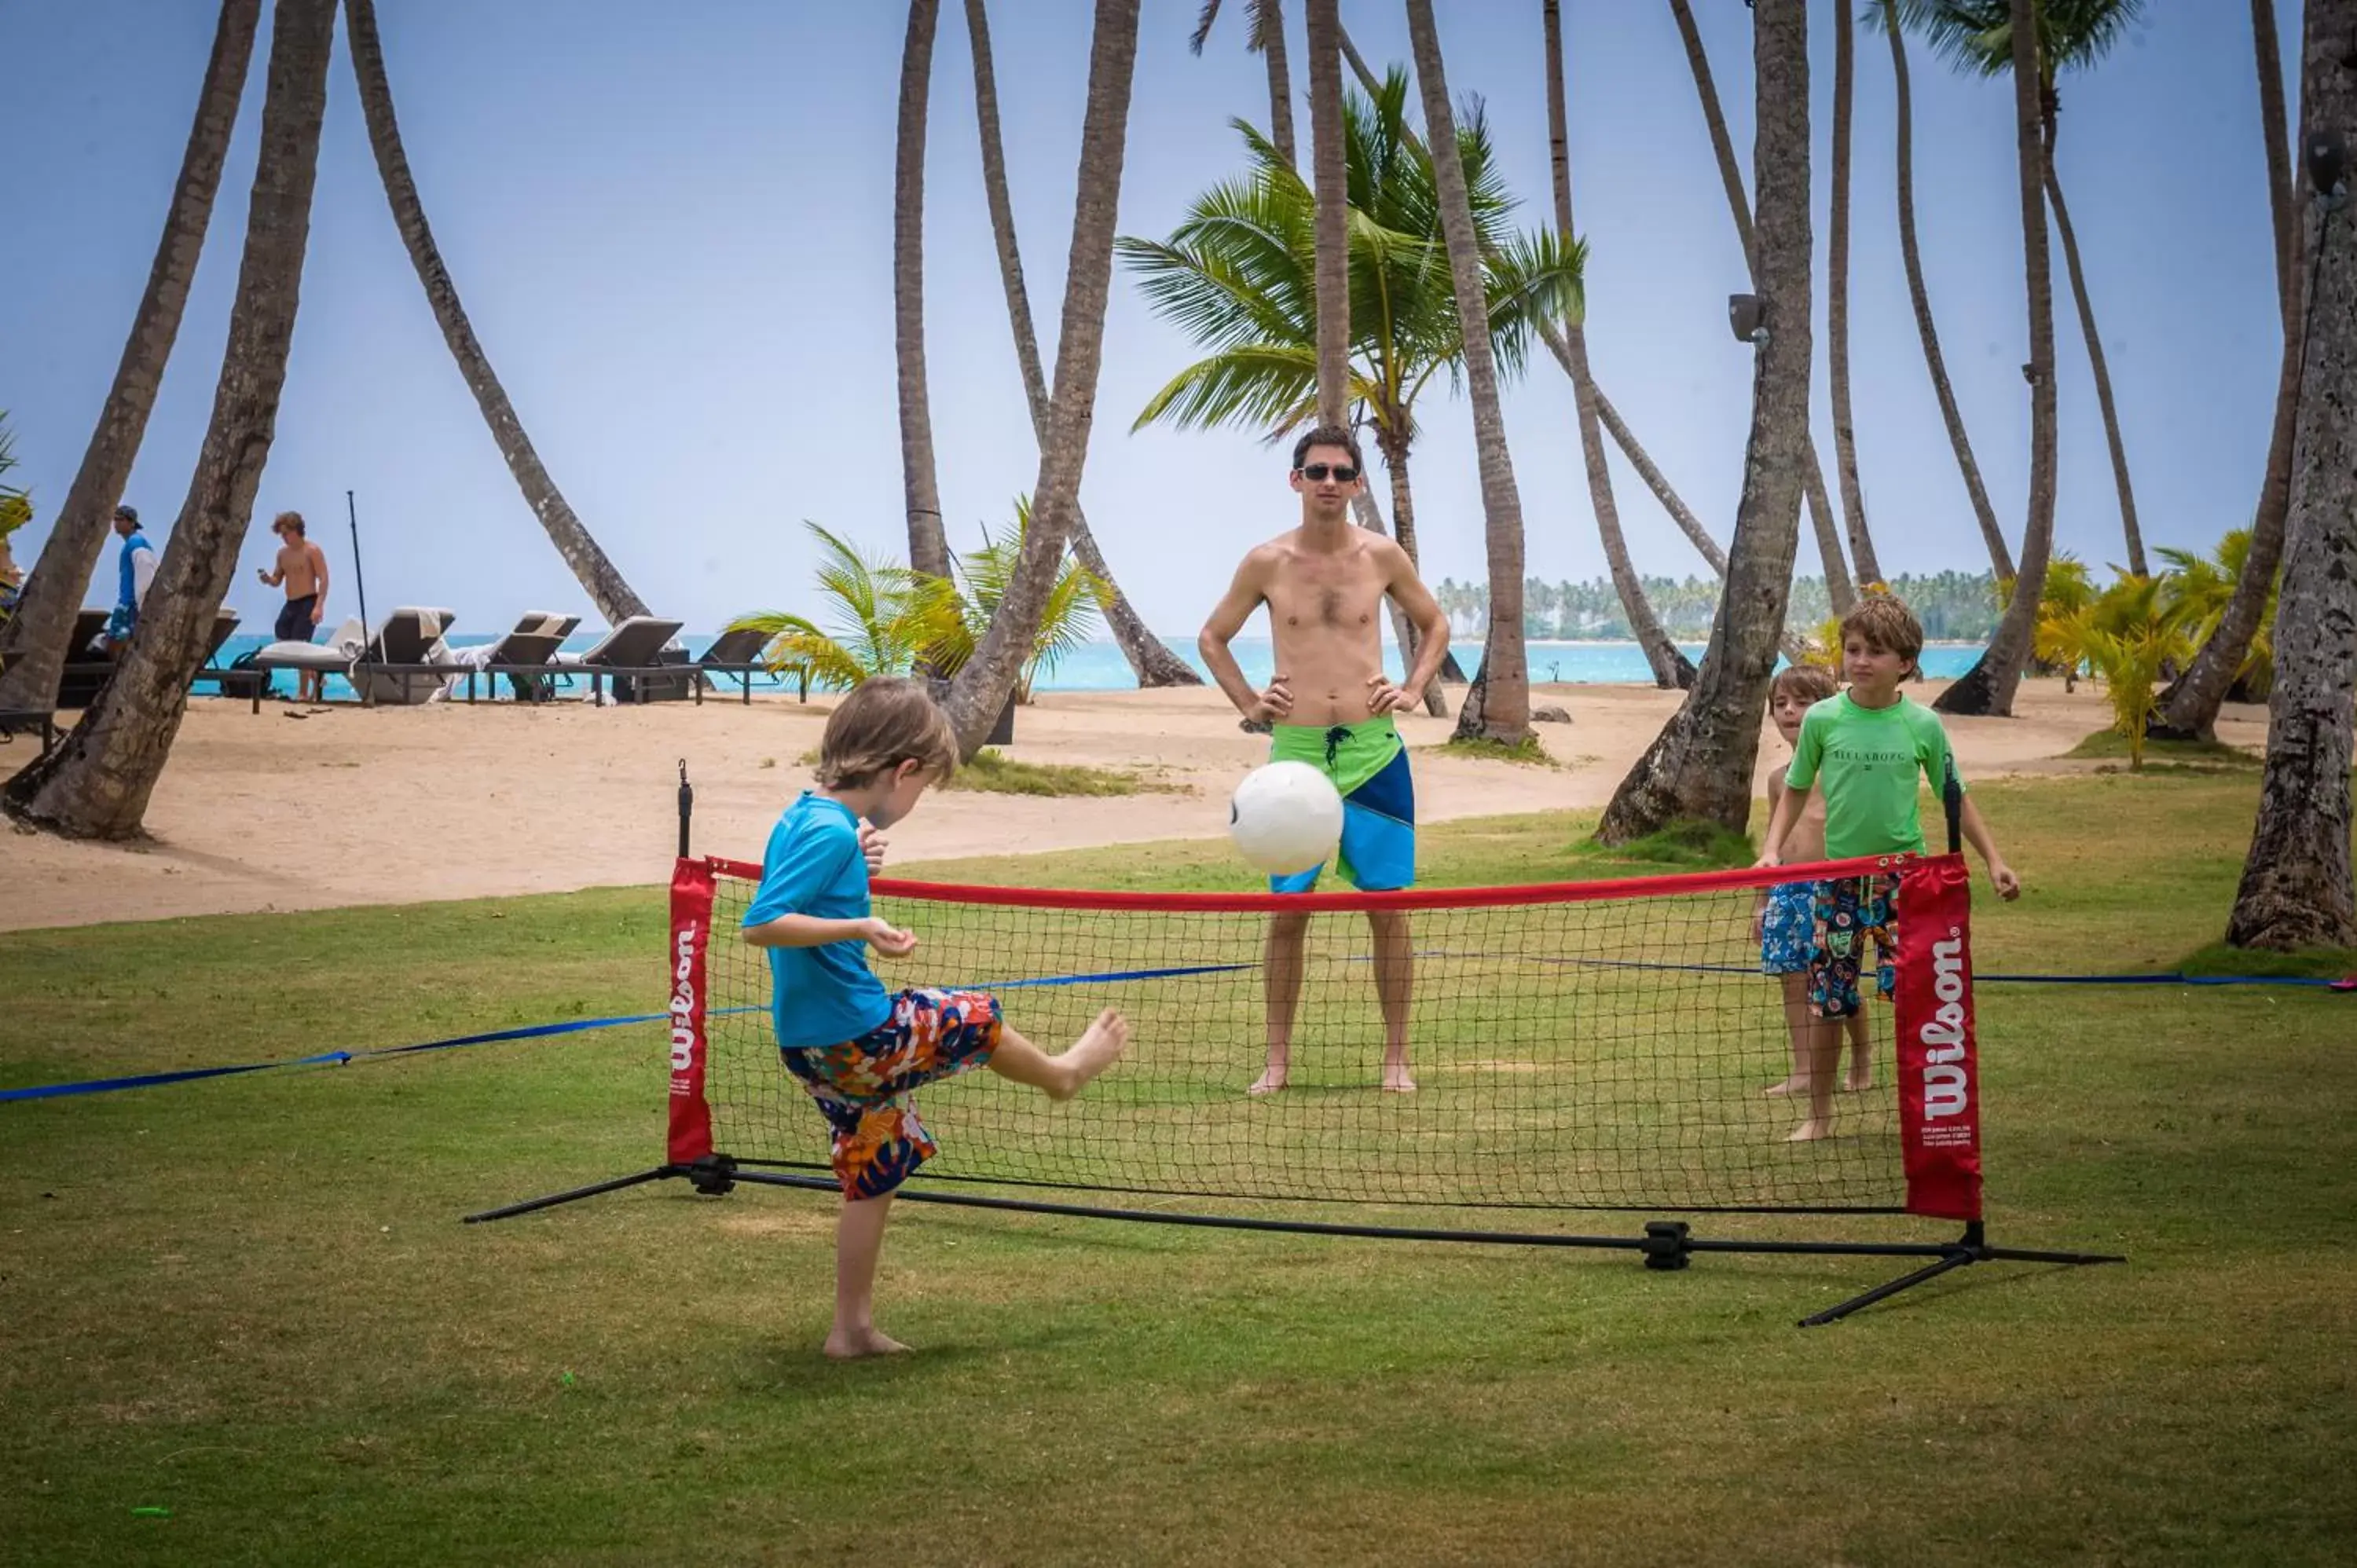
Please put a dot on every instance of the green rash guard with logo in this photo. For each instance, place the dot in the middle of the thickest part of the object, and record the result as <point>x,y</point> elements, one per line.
<point>1870,760</point>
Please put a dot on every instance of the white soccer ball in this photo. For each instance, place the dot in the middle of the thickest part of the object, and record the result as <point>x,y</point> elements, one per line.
<point>1287,817</point>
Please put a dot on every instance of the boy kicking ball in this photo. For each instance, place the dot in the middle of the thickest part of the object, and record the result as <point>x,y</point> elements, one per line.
<point>858,1049</point>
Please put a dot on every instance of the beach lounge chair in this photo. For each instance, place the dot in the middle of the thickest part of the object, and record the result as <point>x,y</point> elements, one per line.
<point>90,663</point>
<point>629,656</point>
<point>734,653</point>
<point>526,655</point>
<point>402,664</point>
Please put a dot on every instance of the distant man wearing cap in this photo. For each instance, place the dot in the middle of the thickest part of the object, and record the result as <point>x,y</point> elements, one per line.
<point>303,568</point>
<point>135,569</point>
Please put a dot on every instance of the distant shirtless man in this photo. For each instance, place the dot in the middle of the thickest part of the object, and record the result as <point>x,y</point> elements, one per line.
<point>1330,707</point>
<point>303,568</point>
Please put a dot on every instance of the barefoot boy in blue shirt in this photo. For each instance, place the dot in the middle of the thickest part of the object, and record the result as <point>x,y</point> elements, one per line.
<point>858,1049</point>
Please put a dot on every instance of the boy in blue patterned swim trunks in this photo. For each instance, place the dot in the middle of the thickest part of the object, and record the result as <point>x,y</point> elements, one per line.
<point>858,1049</point>
<point>1329,704</point>
<point>1784,920</point>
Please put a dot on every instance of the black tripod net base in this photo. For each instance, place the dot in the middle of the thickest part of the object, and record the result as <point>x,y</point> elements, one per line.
<point>1665,1245</point>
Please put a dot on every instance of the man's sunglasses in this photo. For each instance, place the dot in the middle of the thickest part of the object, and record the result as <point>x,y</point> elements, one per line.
<point>1315,472</point>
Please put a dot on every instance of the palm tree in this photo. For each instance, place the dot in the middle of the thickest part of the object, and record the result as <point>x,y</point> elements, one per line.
<point>1680,513</point>
<point>929,549</point>
<point>1988,686</point>
<point>1670,668</point>
<point>888,620</point>
<point>96,784</point>
<point>2000,557</point>
<point>1267,39</point>
<point>884,618</point>
<point>979,693</point>
<point>1329,170</point>
<point>2190,707</point>
<point>1239,275</point>
<point>1977,34</point>
<point>1154,663</point>
<point>613,596</point>
<point>33,641</point>
<point>1731,175</point>
<point>1497,707</point>
<point>2296,888</point>
<point>2202,590</point>
<point>1699,768</point>
<point>1853,499</point>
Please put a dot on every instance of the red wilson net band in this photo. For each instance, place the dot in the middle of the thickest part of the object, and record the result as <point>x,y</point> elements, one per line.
<point>1602,1045</point>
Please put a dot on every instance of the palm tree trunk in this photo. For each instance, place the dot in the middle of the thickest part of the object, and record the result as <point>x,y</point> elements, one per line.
<point>929,545</point>
<point>1853,499</point>
<point>2273,127</point>
<point>1730,173</point>
<point>982,686</point>
<point>1641,460</point>
<point>2095,362</point>
<point>1826,527</point>
<point>1988,686</point>
<point>2000,557</point>
<point>2296,888</point>
<point>1154,663</point>
<point>97,783</point>
<point>1268,37</point>
<point>1394,451</point>
<point>33,650</point>
<point>606,590</point>
<point>1671,670</point>
<point>2189,709</point>
<point>1333,225</point>
<point>1699,768</point>
<point>1498,706</point>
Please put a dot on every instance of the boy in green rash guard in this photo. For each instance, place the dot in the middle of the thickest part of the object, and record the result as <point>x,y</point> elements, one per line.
<point>1865,749</point>
<point>1330,706</point>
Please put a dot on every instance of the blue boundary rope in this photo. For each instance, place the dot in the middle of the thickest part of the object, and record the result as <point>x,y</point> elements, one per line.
<point>578,1026</point>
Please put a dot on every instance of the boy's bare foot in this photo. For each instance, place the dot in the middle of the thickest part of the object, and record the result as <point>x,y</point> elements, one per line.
<point>1778,1090</point>
<point>1809,1132</point>
<point>850,1345</point>
<point>1861,1077</point>
<point>1270,1081</point>
<point>1397,1078</point>
<point>1094,1051</point>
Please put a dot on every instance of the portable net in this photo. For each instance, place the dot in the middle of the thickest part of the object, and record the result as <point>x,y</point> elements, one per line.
<point>1580,1046</point>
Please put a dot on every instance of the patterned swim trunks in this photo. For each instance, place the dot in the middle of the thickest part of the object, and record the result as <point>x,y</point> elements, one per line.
<point>1852,914</point>
<point>862,1086</point>
<point>1788,928</point>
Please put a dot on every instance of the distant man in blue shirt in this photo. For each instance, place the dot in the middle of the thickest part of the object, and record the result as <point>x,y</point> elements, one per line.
<point>134,569</point>
<point>859,1049</point>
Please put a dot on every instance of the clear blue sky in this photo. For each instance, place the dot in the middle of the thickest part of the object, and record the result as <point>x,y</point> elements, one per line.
<point>671,227</point>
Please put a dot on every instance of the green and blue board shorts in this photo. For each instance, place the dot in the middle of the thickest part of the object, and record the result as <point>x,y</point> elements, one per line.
<point>1368,763</point>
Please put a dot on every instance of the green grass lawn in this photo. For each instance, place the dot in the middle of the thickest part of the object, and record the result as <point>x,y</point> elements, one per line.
<point>249,1300</point>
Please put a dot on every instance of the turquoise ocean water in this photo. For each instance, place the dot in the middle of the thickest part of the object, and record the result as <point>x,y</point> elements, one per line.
<point>1100,667</point>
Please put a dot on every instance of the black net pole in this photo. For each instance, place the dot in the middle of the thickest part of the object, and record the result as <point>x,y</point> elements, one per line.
<point>686,806</point>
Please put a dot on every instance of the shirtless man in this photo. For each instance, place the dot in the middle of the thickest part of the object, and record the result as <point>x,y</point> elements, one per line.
<point>304,570</point>
<point>1331,706</point>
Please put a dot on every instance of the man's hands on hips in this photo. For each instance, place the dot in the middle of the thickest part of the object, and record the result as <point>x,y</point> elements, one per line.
<point>1382,697</point>
<point>1274,703</point>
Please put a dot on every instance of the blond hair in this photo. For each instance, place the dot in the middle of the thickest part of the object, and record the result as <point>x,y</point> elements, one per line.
<point>887,720</point>
<point>1888,626</point>
<point>1810,682</point>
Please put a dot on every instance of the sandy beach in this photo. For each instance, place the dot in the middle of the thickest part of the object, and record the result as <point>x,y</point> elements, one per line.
<point>316,807</point>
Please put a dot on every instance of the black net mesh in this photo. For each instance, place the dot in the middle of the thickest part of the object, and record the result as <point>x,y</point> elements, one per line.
<point>1611,1053</point>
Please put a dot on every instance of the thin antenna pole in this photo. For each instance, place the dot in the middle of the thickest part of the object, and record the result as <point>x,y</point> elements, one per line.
<point>352,511</point>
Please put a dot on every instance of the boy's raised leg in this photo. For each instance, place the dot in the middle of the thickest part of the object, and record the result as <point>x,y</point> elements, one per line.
<point>1062,1076</point>
<point>858,1242</point>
